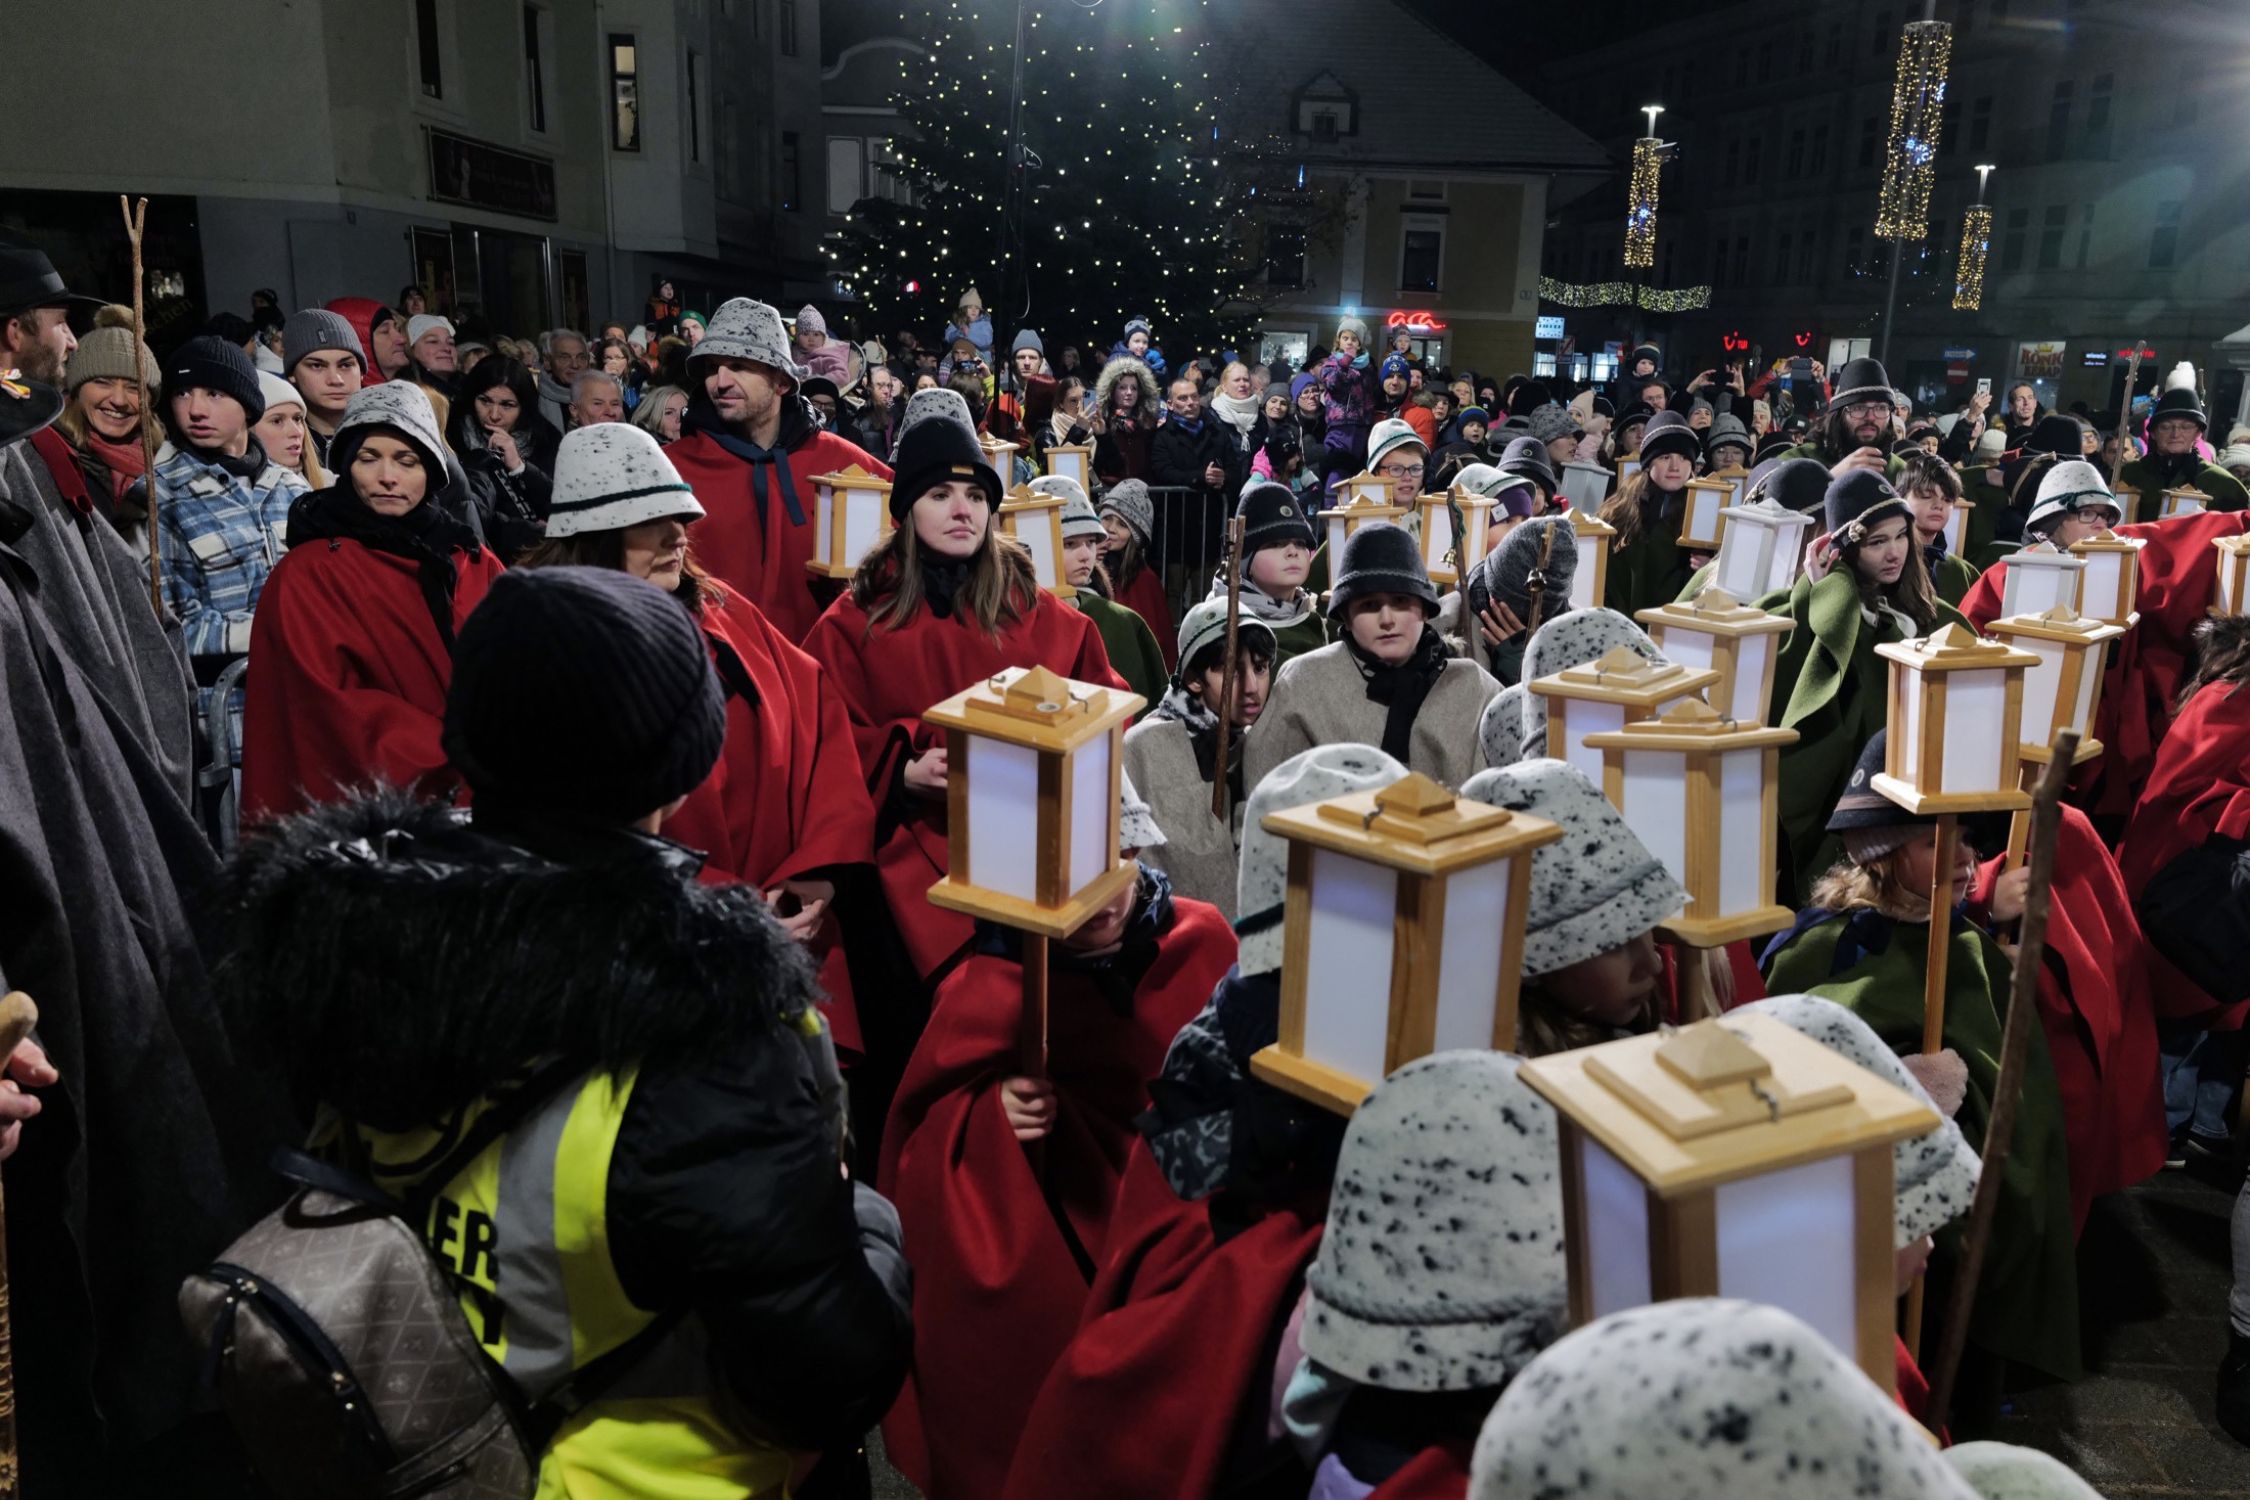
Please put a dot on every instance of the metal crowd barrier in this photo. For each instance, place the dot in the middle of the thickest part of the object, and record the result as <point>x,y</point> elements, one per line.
<point>1191,528</point>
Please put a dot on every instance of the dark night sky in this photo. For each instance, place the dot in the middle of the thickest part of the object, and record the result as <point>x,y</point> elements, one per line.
<point>1517,38</point>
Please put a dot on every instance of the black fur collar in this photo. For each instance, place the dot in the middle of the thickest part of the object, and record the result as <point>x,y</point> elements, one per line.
<point>399,962</point>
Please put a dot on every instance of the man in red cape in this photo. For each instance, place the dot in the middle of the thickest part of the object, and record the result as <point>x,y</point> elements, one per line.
<point>1005,1184</point>
<point>751,451</point>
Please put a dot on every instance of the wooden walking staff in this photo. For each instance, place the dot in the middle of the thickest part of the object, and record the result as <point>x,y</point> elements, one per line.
<point>2015,1052</point>
<point>1228,672</point>
<point>17,1016</point>
<point>136,219</point>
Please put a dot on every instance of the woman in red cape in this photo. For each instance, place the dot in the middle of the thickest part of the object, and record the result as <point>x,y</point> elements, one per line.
<point>2178,571</point>
<point>351,649</point>
<point>785,808</point>
<point>944,601</point>
<point>1005,1185</point>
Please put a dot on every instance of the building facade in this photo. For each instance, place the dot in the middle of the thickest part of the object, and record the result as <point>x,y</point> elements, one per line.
<point>2115,128</point>
<point>529,164</point>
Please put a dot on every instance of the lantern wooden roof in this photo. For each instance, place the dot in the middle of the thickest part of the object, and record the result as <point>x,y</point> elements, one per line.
<point>1415,825</point>
<point>2062,623</point>
<point>1954,649</point>
<point>1357,505</point>
<point>1724,1099</point>
<point>2187,492</point>
<point>2106,540</point>
<point>1024,497</point>
<point>1714,611</point>
<point>1036,707</point>
<point>1623,675</point>
<point>1693,726</point>
<point>1591,525</point>
<point>2232,546</point>
<point>1731,471</point>
<point>853,477</point>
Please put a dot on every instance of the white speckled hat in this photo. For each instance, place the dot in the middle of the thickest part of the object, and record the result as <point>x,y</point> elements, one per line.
<point>746,329</point>
<point>1702,1399</point>
<point>613,475</point>
<point>922,406</point>
<point>1263,883</point>
<point>1596,888</point>
<point>1934,1175</point>
<point>1442,1267</point>
<point>1501,727</point>
<point>2003,1471</point>
<point>1136,820</point>
<point>1572,640</point>
<point>1078,515</point>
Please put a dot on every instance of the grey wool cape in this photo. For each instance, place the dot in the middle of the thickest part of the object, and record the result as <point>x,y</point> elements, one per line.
<point>1199,853</point>
<point>1320,698</point>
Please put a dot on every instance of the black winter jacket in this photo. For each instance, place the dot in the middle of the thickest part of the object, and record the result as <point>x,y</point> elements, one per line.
<point>1178,457</point>
<point>405,963</point>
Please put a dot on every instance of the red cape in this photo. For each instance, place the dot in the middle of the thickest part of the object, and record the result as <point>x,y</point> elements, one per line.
<point>1146,598</point>
<point>2198,789</point>
<point>1177,1343</point>
<point>2179,570</point>
<point>998,1287</point>
<point>2095,1005</point>
<point>887,678</point>
<point>765,563</point>
<point>1439,1472</point>
<point>348,675</point>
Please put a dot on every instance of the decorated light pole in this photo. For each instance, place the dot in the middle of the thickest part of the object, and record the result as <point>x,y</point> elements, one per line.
<point>1902,213</point>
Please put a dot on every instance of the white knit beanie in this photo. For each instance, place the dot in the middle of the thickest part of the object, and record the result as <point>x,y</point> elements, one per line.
<point>613,475</point>
<point>1572,640</point>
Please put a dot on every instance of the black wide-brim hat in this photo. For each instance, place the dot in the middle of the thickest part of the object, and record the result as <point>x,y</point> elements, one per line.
<point>28,279</point>
<point>2179,402</point>
<point>26,406</point>
<point>1860,380</point>
<point>1380,558</point>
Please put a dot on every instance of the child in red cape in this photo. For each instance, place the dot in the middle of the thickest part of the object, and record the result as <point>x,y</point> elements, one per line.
<point>351,649</point>
<point>785,808</point>
<point>1005,1181</point>
<point>944,601</point>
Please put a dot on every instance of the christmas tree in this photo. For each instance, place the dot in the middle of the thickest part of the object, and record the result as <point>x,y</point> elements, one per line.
<point>1122,209</point>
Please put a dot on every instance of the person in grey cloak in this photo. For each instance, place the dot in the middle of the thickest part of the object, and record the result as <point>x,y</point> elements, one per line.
<point>1388,682</point>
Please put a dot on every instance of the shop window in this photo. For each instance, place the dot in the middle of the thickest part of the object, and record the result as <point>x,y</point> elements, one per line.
<point>624,93</point>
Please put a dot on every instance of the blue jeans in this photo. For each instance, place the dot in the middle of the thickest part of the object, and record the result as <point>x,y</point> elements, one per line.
<point>2202,1069</point>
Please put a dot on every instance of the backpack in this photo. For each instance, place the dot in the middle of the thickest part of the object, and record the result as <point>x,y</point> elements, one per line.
<point>336,1343</point>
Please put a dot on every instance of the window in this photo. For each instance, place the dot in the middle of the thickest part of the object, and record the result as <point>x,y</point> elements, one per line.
<point>2058,120</point>
<point>2085,234</point>
<point>1742,260</point>
<point>1781,258</point>
<point>2051,226</point>
<point>1980,123</point>
<point>2164,240</point>
<point>1424,190</point>
<point>1750,160</point>
<point>1819,150</point>
<point>2097,115</point>
<point>1949,128</point>
<point>1796,155</point>
<point>1734,163</point>
<point>427,57</point>
<point>1966,21</point>
<point>847,160</point>
<point>624,93</point>
<point>1421,253</point>
<point>1882,33</point>
<point>1324,125</point>
<point>1719,262</point>
<point>534,69</point>
<point>1868,139</point>
<point>694,105</point>
<point>1808,257</point>
<point>1835,55</point>
<point>1741,67</point>
<point>1285,255</point>
<point>2011,242</point>
<point>1765,61</point>
<point>792,193</point>
<point>788,27</point>
<point>1854,243</point>
<point>1804,50</point>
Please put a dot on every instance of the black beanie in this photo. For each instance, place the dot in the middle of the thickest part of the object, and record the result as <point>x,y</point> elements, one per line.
<point>1856,500</point>
<point>933,451</point>
<point>1271,517</point>
<point>584,691</point>
<point>1380,558</point>
<point>1801,484</point>
<point>2056,433</point>
<point>213,364</point>
<point>1669,432</point>
<point>1527,458</point>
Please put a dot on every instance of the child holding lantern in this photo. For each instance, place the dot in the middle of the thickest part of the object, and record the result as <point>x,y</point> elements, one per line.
<point>1277,550</point>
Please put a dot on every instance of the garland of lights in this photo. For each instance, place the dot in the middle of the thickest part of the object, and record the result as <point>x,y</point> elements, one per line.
<point>1976,240</point>
<point>1640,204</point>
<point>1917,118</point>
<point>1624,294</point>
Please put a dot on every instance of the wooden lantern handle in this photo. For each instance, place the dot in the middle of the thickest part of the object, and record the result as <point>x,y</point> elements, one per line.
<point>17,1016</point>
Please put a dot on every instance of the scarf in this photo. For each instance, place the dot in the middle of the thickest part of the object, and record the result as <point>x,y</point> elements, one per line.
<point>1278,613</point>
<point>552,393</point>
<point>1117,975</point>
<point>1192,429</point>
<point>1401,689</point>
<point>1239,412</point>
<point>795,427</point>
<point>942,579</point>
<point>1201,722</point>
<point>62,467</point>
<point>126,461</point>
<point>425,536</point>
<point>2175,470</point>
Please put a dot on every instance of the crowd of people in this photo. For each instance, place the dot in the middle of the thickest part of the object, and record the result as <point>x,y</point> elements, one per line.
<point>445,751</point>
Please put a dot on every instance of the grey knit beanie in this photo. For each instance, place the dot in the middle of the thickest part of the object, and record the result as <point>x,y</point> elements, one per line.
<point>1262,884</point>
<point>108,352</point>
<point>2003,1471</point>
<point>401,406</point>
<point>1545,546</point>
<point>315,328</point>
<point>1442,1267</point>
<point>1568,641</point>
<point>1129,498</point>
<point>1702,1399</point>
<point>1500,729</point>
<point>1933,1175</point>
<point>1381,558</point>
<point>1595,889</point>
<point>1078,515</point>
<point>1551,421</point>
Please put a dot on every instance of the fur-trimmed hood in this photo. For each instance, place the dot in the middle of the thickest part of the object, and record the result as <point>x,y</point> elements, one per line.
<point>400,962</point>
<point>1122,367</point>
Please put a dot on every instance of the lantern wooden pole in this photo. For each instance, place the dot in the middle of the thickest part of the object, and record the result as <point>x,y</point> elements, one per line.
<point>2125,453</point>
<point>1031,1038</point>
<point>1941,936</point>
<point>2015,1051</point>
<point>136,219</point>
<point>17,1016</point>
<point>1229,671</point>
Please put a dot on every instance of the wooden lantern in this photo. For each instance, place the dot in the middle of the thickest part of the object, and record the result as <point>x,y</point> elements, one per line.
<point>1032,765</point>
<point>2128,503</point>
<point>1956,715</point>
<point>2065,687</point>
<point>852,512</point>
<point>1438,542</point>
<point>2039,578</point>
<point>1001,455</point>
<point>1732,1158</point>
<point>1073,461</point>
<point>1719,838</point>
<point>1590,584</point>
<point>1733,639</point>
<point>1621,688</point>
<point>1701,500</point>
<point>1628,464</point>
<point>1957,513</point>
<point>1761,548</point>
<point>2231,595</point>
<point>1584,486</point>
<point>2185,501</point>
<point>1034,518</point>
<point>1360,500</point>
<point>1736,478</point>
<point>2111,584</point>
<point>1411,893</point>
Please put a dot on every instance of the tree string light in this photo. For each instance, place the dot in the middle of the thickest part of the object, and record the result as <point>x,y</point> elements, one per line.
<point>1624,294</point>
<point>1917,119</point>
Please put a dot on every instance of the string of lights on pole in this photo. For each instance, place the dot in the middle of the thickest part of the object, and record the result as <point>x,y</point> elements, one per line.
<point>1917,117</point>
<point>1640,196</point>
<point>1976,244</point>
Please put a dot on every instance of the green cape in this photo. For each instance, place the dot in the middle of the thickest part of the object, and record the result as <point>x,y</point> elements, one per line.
<point>1131,645</point>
